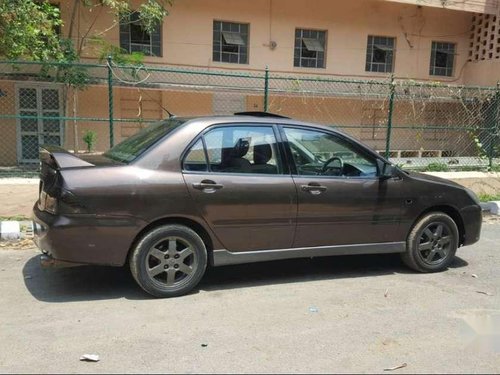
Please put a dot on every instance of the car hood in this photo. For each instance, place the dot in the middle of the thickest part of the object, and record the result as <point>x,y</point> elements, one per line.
<point>430,178</point>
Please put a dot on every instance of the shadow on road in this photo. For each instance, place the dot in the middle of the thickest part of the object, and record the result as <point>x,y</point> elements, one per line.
<point>88,283</point>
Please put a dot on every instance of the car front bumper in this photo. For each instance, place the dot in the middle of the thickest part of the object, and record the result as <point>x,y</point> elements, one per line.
<point>472,219</point>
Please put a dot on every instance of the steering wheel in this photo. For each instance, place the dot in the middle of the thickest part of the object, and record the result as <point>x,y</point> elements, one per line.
<point>326,165</point>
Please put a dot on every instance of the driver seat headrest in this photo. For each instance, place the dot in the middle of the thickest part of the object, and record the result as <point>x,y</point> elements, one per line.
<point>241,148</point>
<point>262,153</point>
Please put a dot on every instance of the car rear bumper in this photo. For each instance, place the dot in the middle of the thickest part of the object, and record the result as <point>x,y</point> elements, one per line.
<point>472,218</point>
<point>68,240</point>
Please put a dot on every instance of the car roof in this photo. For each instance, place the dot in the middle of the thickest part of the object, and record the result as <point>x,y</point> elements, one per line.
<point>271,119</point>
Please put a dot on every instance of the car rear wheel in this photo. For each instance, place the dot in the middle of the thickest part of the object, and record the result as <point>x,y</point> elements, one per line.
<point>432,243</point>
<point>169,261</point>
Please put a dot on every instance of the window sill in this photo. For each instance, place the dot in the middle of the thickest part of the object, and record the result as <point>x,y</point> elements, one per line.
<point>308,68</point>
<point>224,63</point>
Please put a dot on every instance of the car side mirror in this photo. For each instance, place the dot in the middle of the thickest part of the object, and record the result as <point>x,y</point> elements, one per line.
<point>386,170</point>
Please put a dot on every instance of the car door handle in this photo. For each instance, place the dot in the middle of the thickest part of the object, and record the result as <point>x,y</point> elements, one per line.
<point>207,185</point>
<point>313,188</point>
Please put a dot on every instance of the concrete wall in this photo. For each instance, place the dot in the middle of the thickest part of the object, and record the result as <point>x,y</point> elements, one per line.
<point>479,6</point>
<point>130,104</point>
<point>187,33</point>
<point>483,73</point>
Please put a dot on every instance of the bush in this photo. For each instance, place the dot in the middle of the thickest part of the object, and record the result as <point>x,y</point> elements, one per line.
<point>90,138</point>
<point>495,168</point>
<point>437,167</point>
<point>488,197</point>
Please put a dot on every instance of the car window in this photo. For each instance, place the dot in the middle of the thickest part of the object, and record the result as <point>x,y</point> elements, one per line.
<point>135,145</point>
<point>242,149</point>
<point>319,153</point>
<point>195,159</point>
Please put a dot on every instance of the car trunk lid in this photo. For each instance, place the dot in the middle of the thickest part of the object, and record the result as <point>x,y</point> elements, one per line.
<point>53,159</point>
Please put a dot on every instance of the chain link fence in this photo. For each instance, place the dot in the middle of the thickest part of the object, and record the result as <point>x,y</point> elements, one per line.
<point>90,107</point>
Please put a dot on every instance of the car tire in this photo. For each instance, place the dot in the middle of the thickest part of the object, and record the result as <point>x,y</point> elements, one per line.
<point>432,243</point>
<point>168,261</point>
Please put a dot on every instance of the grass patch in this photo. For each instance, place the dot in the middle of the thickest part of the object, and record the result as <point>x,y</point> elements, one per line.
<point>437,167</point>
<point>488,197</point>
<point>15,218</point>
<point>495,168</point>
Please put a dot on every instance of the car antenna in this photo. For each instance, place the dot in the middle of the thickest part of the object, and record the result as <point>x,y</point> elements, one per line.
<point>170,114</point>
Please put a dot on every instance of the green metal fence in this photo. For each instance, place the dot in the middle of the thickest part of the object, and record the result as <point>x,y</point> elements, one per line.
<point>91,107</point>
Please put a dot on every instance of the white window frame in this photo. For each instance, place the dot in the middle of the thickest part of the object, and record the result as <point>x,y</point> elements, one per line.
<point>39,110</point>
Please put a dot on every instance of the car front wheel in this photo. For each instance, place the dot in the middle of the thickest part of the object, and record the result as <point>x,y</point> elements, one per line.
<point>169,261</point>
<point>432,243</point>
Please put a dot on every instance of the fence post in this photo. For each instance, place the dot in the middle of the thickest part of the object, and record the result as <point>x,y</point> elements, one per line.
<point>495,121</point>
<point>266,89</point>
<point>389,118</point>
<point>110,103</point>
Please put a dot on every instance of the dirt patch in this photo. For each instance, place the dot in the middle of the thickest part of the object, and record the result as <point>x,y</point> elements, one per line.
<point>24,244</point>
<point>490,219</point>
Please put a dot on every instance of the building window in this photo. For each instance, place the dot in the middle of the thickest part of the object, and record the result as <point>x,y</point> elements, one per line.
<point>134,38</point>
<point>380,54</point>
<point>309,48</point>
<point>442,59</point>
<point>230,42</point>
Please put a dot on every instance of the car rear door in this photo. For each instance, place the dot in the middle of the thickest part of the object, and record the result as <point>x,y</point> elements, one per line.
<point>241,186</point>
<point>340,205</point>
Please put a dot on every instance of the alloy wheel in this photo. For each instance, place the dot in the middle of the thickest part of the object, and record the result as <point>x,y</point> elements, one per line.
<point>171,261</point>
<point>435,243</point>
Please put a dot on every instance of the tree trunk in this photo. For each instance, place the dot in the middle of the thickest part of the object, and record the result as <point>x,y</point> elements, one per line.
<point>75,121</point>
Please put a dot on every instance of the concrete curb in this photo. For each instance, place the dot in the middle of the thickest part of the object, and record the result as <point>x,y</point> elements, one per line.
<point>12,230</point>
<point>493,207</point>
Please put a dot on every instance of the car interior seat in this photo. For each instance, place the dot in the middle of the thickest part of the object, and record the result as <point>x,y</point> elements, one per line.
<point>262,153</point>
<point>235,160</point>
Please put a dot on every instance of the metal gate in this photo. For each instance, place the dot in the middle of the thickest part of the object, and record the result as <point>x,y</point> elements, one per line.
<point>34,104</point>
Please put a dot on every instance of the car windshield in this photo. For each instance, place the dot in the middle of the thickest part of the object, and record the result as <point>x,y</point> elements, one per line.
<point>132,147</point>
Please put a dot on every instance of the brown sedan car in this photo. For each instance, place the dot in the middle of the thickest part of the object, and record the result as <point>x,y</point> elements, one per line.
<point>188,192</point>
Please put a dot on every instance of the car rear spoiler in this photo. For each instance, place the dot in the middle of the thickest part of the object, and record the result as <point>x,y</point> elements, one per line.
<point>58,158</point>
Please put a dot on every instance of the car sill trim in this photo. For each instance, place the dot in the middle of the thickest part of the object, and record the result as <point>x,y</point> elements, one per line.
<point>224,257</point>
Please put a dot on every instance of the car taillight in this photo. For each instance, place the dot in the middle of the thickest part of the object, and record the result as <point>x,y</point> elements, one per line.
<point>51,205</point>
<point>47,203</point>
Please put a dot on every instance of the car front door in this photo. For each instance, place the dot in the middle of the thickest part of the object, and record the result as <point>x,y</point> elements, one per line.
<point>341,198</point>
<point>237,178</point>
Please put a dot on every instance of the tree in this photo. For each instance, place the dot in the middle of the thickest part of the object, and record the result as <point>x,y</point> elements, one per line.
<point>151,13</point>
<point>28,30</point>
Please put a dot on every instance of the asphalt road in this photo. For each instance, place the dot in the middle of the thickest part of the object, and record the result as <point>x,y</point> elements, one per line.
<point>322,315</point>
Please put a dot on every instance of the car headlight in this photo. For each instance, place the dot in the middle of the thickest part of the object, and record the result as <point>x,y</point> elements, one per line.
<point>473,196</point>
